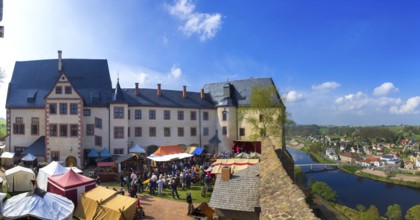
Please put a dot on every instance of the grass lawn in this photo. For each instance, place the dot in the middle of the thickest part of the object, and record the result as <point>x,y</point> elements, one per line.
<point>195,192</point>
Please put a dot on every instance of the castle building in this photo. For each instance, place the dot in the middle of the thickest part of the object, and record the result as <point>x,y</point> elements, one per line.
<point>60,109</point>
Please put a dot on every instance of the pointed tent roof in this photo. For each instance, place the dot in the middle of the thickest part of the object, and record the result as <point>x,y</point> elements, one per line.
<point>37,148</point>
<point>54,168</point>
<point>93,153</point>
<point>29,157</point>
<point>70,179</point>
<point>137,149</point>
<point>166,150</point>
<point>118,94</point>
<point>105,153</point>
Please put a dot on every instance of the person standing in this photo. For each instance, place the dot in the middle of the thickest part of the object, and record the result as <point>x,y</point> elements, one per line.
<point>174,190</point>
<point>160,183</point>
<point>190,204</point>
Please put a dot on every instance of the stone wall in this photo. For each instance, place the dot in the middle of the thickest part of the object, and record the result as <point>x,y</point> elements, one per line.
<point>280,198</point>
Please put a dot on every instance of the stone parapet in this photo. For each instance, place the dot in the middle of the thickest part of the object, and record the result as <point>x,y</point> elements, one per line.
<point>280,198</point>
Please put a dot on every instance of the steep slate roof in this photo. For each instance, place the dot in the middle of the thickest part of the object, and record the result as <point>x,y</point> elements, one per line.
<point>240,91</point>
<point>240,193</point>
<point>36,78</point>
<point>168,98</point>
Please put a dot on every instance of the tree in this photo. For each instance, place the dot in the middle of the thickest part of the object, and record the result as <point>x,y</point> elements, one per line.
<point>413,213</point>
<point>265,113</point>
<point>394,212</point>
<point>372,213</point>
<point>299,176</point>
<point>361,208</point>
<point>324,191</point>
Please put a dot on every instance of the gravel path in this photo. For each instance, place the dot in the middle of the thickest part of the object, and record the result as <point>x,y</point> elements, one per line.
<point>157,208</point>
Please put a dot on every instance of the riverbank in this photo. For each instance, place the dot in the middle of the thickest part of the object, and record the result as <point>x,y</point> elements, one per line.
<point>398,179</point>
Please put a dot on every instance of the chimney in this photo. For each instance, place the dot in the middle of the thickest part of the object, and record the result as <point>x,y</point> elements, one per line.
<point>202,94</point>
<point>226,173</point>
<point>158,91</point>
<point>59,61</point>
<point>136,90</point>
<point>184,91</point>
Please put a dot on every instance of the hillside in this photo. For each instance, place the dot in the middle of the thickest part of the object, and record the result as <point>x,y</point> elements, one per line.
<point>2,128</point>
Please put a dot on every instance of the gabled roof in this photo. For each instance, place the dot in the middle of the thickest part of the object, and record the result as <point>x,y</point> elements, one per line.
<point>32,80</point>
<point>240,193</point>
<point>240,91</point>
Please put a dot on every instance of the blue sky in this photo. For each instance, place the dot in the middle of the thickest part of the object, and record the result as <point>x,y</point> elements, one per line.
<point>334,62</point>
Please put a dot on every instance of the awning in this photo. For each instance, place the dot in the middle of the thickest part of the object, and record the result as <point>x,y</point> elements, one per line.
<point>105,164</point>
<point>137,149</point>
<point>8,155</point>
<point>169,157</point>
<point>105,153</point>
<point>93,153</point>
<point>37,148</point>
<point>124,158</point>
<point>29,157</point>
<point>198,151</point>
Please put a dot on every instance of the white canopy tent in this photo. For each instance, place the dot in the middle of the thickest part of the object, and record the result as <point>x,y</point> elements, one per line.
<point>7,158</point>
<point>19,179</point>
<point>169,157</point>
<point>38,205</point>
<point>29,157</point>
<point>75,169</point>
<point>137,150</point>
<point>52,169</point>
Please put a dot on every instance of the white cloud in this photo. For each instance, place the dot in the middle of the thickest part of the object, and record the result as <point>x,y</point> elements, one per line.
<point>352,102</point>
<point>293,96</point>
<point>384,89</point>
<point>176,72</point>
<point>385,101</point>
<point>410,107</point>
<point>326,86</point>
<point>205,25</point>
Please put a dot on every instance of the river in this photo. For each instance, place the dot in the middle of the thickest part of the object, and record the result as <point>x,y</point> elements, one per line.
<point>353,190</point>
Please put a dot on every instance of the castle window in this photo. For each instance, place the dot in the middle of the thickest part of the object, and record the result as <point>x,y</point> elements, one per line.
<point>53,108</point>
<point>180,132</point>
<point>180,115</point>
<point>137,132</point>
<point>137,114</point>
<point>118,150</point>
<point>167,115</point>
<point>63,108</point>
<point>19,126</point>
<point>193,116</point>
<point>73,108</point>
<point>118,132</point>
<point>68,89</point>
<point>34,126</point>
<point>224,115</point>
<point>74,130</point>
<point>242,132</point>
<point>152,131</point>
<point>205,116</point>
<point>58,90</point>
<point>98,141</point>
<point>86,112</point>
<point>53,130</point>
<point>90,130</point>
<point>63,131</point>
<point>193,131</point>
<point>205,131</point>
<point>118,112</point>
<point>98,123</point>
<point>152,114</point>
<point>224,130</point>
<point>167,131</point>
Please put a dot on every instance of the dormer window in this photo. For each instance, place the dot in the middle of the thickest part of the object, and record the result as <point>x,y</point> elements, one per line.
<point>226,90</point>
<point>68,90</point>
<point>58,90</point>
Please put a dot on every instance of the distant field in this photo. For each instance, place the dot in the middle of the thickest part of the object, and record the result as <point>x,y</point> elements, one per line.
<point>2,128</point>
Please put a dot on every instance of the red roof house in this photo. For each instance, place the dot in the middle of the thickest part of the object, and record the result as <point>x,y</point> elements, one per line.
<point>70,185</point>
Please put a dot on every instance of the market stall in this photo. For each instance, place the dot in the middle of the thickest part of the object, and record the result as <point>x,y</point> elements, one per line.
<point>106,171</point>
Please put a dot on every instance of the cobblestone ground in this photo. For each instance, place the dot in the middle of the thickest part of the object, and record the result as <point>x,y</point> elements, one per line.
<point>157,208</point>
